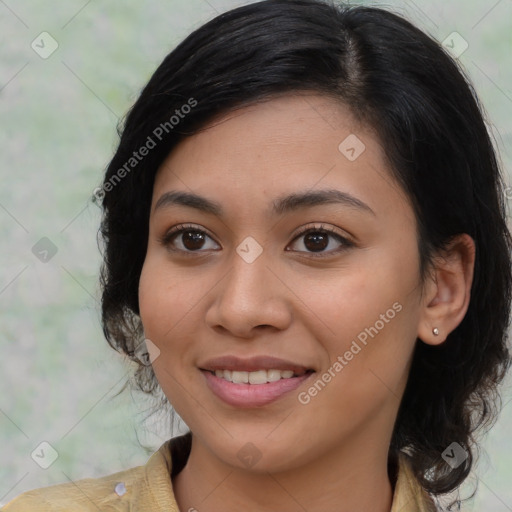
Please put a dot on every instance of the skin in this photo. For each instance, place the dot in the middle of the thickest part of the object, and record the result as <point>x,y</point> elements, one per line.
<point>331,453</point>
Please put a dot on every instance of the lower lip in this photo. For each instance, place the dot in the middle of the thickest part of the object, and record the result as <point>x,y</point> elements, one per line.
<point>252,395</point>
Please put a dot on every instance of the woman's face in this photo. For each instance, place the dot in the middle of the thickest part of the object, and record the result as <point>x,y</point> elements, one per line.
<point>323,324</point>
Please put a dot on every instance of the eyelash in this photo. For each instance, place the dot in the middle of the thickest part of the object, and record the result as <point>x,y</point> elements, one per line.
<point>321,228</point>
<point>182,228</point>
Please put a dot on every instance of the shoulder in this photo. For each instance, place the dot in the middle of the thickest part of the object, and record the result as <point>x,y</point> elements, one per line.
<point>123,491</point>
<point>89,494</point>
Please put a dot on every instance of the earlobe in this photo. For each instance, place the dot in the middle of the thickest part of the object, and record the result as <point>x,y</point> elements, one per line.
<point>448,290</point>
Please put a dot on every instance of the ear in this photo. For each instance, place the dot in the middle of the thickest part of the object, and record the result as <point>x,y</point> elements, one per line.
<point>447,290</point>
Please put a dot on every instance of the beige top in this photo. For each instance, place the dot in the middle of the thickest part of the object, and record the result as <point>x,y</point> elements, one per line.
<point>149,488</point>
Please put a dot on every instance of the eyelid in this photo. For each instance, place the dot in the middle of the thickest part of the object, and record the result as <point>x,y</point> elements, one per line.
<point>346,241</point>
<point>320,226</point>
<point>180,228</point>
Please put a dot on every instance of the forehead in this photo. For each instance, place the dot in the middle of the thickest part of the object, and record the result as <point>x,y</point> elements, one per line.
<point>287,144</point>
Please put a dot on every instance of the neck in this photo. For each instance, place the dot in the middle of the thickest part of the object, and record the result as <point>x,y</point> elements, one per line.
<point>354,477</point>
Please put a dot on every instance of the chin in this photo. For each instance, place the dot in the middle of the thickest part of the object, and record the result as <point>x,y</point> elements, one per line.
<point>255,452</point>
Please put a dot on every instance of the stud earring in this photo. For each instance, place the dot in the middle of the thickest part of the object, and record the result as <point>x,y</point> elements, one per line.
<point>435,331</point>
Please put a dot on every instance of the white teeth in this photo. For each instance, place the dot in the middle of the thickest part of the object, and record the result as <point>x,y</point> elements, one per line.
<point>240,377</point>
<point>273,375</point>
<point>257,377</point>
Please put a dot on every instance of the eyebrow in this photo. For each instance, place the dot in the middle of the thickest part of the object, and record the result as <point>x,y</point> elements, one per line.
<point>280,206</point>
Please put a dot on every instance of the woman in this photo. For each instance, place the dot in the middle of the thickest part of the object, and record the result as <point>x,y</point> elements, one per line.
<point>305,234</point>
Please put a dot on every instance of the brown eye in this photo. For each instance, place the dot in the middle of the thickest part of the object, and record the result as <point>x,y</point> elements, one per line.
<point>192,240</point>
<point>187,239</point>
<point>316,240</point>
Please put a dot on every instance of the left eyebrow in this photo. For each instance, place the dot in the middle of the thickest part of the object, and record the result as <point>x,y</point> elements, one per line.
<point>281,205</point>
<point>318,197</point>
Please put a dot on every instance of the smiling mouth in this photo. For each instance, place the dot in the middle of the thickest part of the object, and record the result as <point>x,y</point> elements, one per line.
<point>256,377</point>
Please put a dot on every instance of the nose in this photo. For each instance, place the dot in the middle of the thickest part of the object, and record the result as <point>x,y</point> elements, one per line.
<point>249,298</point>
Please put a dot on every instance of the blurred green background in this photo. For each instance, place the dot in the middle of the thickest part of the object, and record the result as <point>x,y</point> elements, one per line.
<point>58,115</point>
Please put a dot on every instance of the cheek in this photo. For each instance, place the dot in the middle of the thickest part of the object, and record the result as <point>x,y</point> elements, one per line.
<point>368,361</point>
<point>368,314</point>
<point>165,295</point>
<point>170,303</point>
<point>163,301</point>
<point>152,301</point>
<point>346,301</point>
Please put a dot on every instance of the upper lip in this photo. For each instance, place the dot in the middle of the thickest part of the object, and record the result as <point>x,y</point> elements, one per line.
<point>233,363</point>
